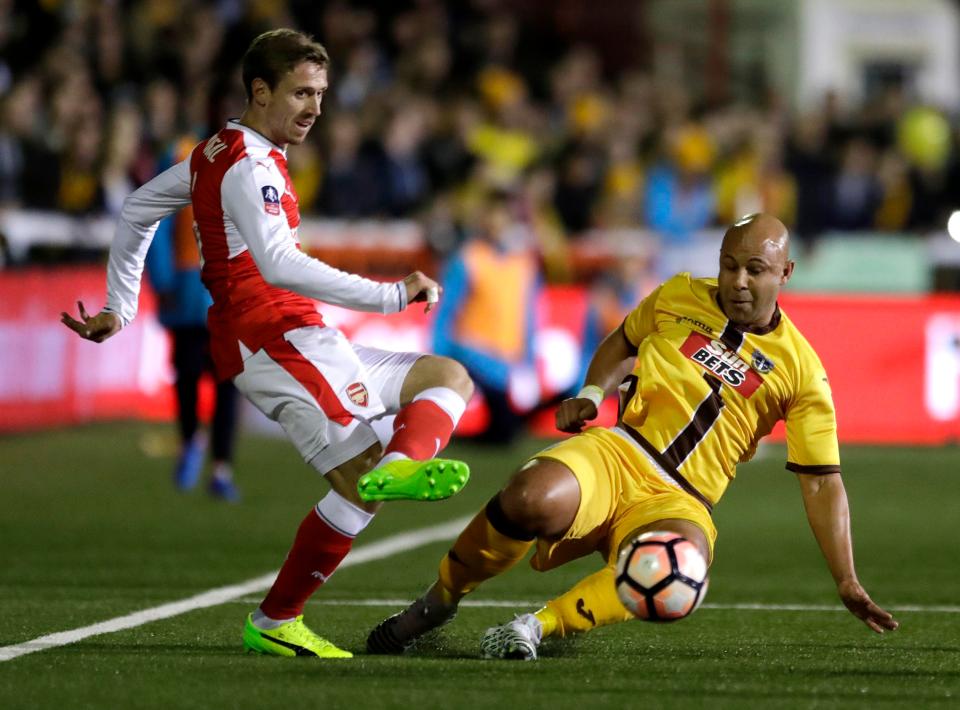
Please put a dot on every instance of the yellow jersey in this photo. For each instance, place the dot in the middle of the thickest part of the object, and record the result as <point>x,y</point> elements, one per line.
<point>704,392</point>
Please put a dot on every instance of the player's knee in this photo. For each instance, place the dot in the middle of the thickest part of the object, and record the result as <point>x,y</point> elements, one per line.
<point>436,371</point>
<point>455,376</point>
<point>522,509</point>
<point>540,500</point>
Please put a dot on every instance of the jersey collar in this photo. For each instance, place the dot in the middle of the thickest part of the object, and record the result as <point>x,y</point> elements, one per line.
<point>769,327</point>
<point>755,330</point>
<point>255,134</point>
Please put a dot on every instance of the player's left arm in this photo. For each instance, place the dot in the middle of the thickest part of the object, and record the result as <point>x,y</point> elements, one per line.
<point>825,501</point>
<point>246,196</point>
<point>814,455</point>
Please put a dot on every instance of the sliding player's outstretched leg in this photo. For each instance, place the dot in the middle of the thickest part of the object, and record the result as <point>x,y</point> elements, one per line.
<point>541,499</point>
<point>487,547</point>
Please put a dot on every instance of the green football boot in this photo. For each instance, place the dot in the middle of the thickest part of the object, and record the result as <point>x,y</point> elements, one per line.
<point>406,479</point>
<point>292,639</point>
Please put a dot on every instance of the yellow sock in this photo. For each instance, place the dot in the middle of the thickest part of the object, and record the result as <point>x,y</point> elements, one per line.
<point>481,552</point>
<point>548,620</point>
<point>592,602</point>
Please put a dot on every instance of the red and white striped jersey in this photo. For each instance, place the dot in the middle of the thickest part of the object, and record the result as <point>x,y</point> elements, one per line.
<point>246,218</point>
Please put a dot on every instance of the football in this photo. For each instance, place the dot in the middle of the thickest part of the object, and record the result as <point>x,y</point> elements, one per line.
<point>661,576</point>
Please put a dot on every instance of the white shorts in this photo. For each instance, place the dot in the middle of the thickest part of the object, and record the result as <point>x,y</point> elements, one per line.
<point>326,392</point>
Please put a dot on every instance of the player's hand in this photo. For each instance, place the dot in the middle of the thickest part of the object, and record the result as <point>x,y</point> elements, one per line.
<point>96,328</point>
<point>856,599</point>
<point>574,413</point>
<point>421,288</point>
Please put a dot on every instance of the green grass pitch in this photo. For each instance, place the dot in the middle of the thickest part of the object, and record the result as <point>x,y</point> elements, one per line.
<point>91,529</point>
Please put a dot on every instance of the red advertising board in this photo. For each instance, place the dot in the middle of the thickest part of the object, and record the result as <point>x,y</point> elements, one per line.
<point>893,361</point>
<point>49,376</point>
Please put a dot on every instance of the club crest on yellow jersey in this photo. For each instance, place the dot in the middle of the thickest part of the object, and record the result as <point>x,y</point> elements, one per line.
<point>761,363</point>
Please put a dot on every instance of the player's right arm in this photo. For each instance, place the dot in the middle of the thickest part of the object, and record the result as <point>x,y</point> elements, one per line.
<point>612,361</point>
<point>142,211</point>
<point>273,248</point>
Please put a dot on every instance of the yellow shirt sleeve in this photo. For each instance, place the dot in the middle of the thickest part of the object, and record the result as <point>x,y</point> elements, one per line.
<point>812,428</point>
<point>642,320</point>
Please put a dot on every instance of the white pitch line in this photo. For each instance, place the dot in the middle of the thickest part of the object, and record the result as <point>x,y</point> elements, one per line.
<point>909,608</point>
<point>214,597</point>
<point>530,603</point>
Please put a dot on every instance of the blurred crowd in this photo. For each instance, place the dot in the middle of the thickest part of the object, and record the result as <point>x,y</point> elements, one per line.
<point>433,104</point>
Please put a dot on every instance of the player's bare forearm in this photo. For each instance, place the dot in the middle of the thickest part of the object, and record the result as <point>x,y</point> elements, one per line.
<point>825,501</point>
<point>612,361</point>
<point>610,364</point>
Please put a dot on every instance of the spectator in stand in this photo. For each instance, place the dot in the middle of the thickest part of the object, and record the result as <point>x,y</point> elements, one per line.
<point>538,211</point>
<point>622,183</point>
<point>352,185</point>
<point>365,74</point>
<point>753,179</point>
<point>446,156</point>
<point>80,190</point>
<point>857,192</point>
<point>893,175</point>
<point>679,199</point>
<point>807,160</point>
<point>18,156</point>
<point>407,184</point>
<point>121,155</point>
<point>579,184</point>
<point>503,140</point>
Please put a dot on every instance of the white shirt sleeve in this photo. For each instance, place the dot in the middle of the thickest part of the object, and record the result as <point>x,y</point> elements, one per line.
<point>142,211</point>
<point>274,249</point>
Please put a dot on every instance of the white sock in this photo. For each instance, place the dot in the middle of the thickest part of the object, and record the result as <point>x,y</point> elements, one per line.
<point>445,398</point>
<point>342,515</point>
<point>264,622</point>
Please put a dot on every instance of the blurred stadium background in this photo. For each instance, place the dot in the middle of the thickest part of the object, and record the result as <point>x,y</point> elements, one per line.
<point>625,132</point>
<point>623,135</point>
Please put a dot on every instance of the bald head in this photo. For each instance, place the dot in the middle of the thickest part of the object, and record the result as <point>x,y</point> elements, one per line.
<point>754,264</point>
<point>758,231</point>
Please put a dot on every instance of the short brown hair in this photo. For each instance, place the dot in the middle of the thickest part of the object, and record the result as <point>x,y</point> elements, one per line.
<point>274,53</point>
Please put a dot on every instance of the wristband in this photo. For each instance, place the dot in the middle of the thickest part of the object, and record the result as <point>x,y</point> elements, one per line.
<point>593,393</point>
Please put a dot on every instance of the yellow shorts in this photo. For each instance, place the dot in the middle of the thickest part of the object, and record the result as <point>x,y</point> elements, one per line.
<point>620,491</point>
